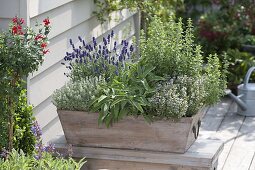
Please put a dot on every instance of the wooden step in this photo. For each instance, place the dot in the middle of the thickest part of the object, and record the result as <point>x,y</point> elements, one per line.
<point>202,155</point>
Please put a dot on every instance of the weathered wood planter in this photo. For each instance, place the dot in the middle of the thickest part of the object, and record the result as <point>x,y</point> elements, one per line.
<point>81,129</point>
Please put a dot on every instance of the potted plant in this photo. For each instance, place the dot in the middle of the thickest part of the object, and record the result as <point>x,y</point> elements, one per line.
<point>152,102</point>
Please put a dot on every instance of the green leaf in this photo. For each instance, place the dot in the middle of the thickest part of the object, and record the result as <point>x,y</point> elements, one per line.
<point>137,106</point>
<point>145,84</point>
<point>101,98</point>
<point>118,101</point>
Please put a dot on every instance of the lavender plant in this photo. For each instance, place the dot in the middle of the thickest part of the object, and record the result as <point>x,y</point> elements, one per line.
<point>95,59</point>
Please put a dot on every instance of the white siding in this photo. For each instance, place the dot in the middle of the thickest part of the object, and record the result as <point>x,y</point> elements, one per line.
<point>6,14</point>
<point>69,19</point>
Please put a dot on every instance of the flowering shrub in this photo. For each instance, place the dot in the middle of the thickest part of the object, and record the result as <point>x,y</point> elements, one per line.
<point>21,52</point>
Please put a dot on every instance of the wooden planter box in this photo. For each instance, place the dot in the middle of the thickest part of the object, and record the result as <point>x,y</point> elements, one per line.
<point>81,129</point>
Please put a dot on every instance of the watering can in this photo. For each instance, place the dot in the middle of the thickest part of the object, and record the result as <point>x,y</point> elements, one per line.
<point>246,96</point>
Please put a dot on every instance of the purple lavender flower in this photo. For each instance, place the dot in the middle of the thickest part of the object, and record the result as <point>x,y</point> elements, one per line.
<point>4,153</point>
<point>80,39</point>
<point>108,38</point>
<point>36,130</point>
<point>50,148</point>
<point>71,41</point>
<point>94,42</point>
<point>131,48</point>
<point>105,41</point>
<point>112,33</point>
<point>100,56</point>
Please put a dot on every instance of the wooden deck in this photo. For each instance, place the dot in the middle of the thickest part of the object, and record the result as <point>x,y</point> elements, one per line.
<point>221,122</point>
<point>237,132</point>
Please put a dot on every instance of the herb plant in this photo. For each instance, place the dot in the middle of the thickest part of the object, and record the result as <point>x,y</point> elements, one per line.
<point>97,59</point>
<point>172,50</point>
<point>19,160</point>
<point>168,80</point>
<point>77,95</point>
<point>126,94</point>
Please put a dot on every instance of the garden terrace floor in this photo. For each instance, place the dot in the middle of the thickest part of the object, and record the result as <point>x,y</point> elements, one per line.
<point>221,122</point>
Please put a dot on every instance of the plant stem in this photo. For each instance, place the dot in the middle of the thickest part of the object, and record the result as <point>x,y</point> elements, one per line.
<point>10,124</point>
<point>11,109</point>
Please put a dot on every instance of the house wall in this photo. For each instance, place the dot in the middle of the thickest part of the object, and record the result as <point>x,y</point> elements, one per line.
<point>69,19</point>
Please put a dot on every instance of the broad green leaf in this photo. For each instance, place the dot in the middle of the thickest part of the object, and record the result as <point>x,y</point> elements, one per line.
<point>118,101</point>
<point>101,98</point>
<point>137,105</point>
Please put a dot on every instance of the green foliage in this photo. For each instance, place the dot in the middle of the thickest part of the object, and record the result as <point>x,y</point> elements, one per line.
<point>176,98</point>
<point>148,8</point>
<point>215,82</point>
<point>239,63</point>
<point>249,40</point>
<point>126,95</point>
<point>3,125</point>
<point>226,27</point>
<point>19,161</point>
<point>174,54</point>
<point>195,8</point>
<point>171,49</point>
<point>23,121</point>
<point>77,95</point>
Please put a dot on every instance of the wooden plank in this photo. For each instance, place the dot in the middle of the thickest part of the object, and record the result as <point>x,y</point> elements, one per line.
<point>202,154</point>
<point>228,132</point>
<point>42,87</point>
<point>45,112</point>
<point>38,7</point>
<point>243,149</point>
<point>99,164</point>
<point>213,118</point>
<point>66,16</point>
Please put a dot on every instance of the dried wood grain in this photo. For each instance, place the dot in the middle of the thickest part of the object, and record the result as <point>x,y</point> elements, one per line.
<point>81,129</point>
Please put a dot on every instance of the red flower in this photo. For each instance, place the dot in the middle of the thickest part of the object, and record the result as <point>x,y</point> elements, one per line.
<point>15,20</point>
<point>21,21</point>
<point>46,51</point>
<point>17,30</point>
<point>38,37</point>
<point>46,21</point>
<point>44,45</point>
<point>14,30</point>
